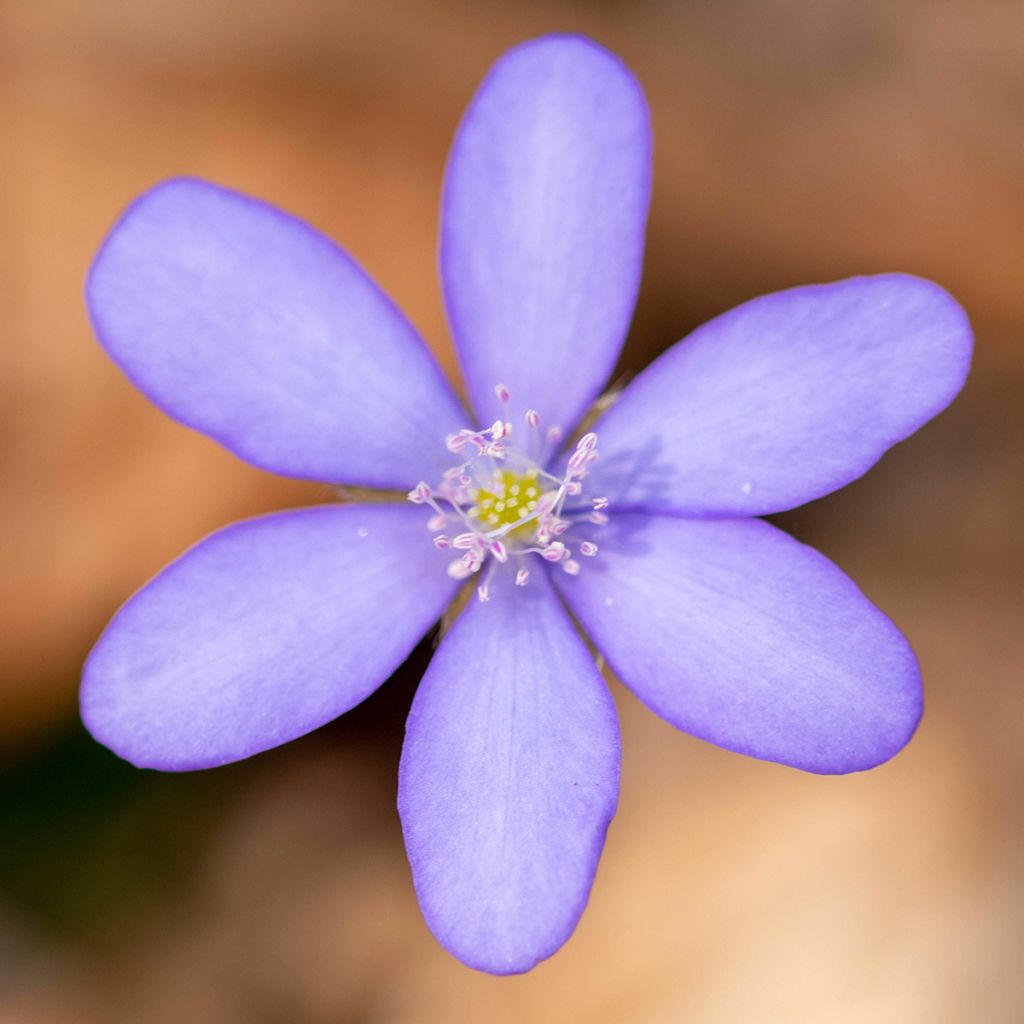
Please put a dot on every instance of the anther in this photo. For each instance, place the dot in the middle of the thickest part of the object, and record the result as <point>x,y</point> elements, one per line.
<point>599,503</point>
<point>459,569</point>
<point>522,577</point>
<point>532,418</point>
<point>502,392</point>
<point>571,567</point>
<point>588,548</point>
<point>555,551</point>
<point>442,543</point>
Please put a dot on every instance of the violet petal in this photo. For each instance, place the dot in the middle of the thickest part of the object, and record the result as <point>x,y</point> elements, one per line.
<point>508,780</point>
<point>243,322</point>
<point>542,226</point>
<point>785,398</point>
<point>736,633</point>
<point>261,633</point>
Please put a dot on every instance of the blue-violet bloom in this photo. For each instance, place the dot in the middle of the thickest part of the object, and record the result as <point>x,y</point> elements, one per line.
<point>243,322</point>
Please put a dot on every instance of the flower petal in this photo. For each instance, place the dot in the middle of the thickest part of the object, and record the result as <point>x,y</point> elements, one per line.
<point>736,633</point>
<point>508,781</point>
<point>261,633</point>
<point>542,226</point>
<point>785,398</point>
<point>247,324</point>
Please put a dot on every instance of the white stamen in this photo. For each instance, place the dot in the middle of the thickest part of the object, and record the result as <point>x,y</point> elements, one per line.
<point>509,504</point>
<point>555,551</point>
<point>459,570</point>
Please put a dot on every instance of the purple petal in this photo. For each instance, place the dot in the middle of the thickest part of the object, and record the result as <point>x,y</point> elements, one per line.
<point>785,398</point>
<point>263,632</point>
<point>733,631</point>
<point>247,324</point>
<point>542,226</point>
<point>508,781</point>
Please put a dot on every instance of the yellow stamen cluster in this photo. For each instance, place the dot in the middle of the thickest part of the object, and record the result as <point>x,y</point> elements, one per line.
<point>506,499</point>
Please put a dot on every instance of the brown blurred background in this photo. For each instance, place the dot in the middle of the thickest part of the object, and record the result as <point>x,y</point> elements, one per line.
<point>795,142</point>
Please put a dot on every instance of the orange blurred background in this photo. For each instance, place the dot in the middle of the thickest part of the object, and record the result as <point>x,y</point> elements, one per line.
<point>795,142</point>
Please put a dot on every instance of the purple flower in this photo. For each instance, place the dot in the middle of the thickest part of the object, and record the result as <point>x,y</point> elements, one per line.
<point>246,324</point>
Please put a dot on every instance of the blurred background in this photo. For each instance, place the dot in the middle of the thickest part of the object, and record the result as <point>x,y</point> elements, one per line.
<point>795,142</point>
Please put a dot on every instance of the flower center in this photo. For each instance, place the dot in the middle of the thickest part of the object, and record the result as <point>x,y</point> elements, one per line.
<point>505,499</point>
<point>506,506</point>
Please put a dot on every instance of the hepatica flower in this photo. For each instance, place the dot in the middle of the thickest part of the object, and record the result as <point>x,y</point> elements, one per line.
<point>246,324</point>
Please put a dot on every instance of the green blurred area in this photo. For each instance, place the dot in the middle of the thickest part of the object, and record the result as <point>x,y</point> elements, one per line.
<point>89,838</point>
